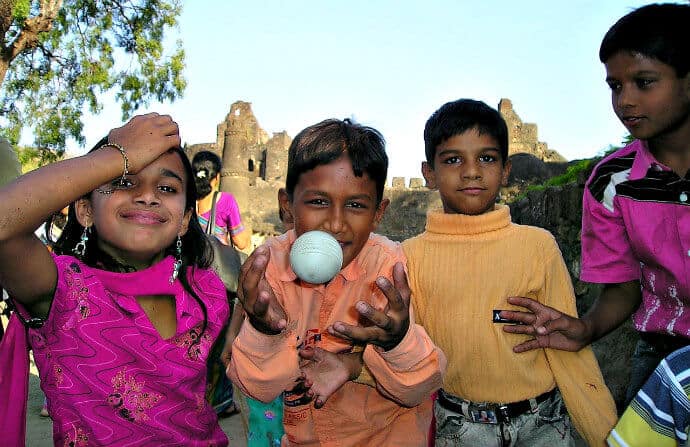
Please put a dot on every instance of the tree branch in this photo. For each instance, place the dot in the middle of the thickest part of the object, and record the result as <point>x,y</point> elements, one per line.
<point>33,26</point>
<point>6,9</point>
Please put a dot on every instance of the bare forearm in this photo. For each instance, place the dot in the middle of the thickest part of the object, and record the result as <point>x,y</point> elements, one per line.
<point>235,322</point>
<point>29,200</point>
<point>616,304</point>
<point>242,239</point>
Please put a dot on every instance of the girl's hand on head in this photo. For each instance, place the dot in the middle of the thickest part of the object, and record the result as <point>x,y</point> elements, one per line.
<point>391,325</point>
<point>549,327</point>
<point>257,297</point>
<point>145,138</point>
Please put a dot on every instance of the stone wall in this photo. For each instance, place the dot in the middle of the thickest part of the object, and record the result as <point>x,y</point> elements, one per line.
<point>255,166</point>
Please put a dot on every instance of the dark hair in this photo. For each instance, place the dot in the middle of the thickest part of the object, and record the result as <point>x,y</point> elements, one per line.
<point>325,142</point>
<point>457,117</point>
<point>57,219</point>
<point>196,250</point>
<point>657,31</point>
<point>206,167</point>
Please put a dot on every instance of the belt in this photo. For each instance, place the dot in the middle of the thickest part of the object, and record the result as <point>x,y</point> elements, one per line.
<point>490,413</point>
<point>664,344</point>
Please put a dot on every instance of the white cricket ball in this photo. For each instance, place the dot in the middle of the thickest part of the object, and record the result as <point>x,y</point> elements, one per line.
<point>316,257</point>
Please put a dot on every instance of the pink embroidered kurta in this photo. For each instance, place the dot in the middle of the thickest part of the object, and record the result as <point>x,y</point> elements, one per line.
<point>109,377</point>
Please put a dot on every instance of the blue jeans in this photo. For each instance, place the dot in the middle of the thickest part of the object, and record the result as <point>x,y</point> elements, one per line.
<point>548,426</point>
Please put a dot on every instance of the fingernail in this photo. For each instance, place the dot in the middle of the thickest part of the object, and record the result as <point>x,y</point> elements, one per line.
<point>361,307</point>
<point>381,282</point>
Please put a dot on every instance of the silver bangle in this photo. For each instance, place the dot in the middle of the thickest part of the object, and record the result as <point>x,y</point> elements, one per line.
<point>125,169</point>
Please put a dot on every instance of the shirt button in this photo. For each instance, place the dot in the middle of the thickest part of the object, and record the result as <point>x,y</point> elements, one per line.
<point>683,197</point>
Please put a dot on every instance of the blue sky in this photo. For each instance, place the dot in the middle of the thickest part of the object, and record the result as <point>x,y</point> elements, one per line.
<point>391,64</point>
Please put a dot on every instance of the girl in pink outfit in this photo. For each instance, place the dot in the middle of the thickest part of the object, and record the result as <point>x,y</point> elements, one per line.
<point>122,316</point>
<point>228,226</point>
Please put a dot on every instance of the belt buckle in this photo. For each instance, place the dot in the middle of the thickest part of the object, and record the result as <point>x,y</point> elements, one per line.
<point>503,411</point>
<point>483,415</point>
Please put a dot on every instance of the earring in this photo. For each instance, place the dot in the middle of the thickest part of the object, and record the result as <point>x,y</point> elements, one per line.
<point>80,248</point>
<point>178,260</point>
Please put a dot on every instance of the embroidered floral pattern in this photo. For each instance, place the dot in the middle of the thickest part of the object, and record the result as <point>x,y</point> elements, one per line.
<point>57,371</point>
<point>128,398</point>
<point>197,347</point>
<point>79,293</point>
<point>80,439</point>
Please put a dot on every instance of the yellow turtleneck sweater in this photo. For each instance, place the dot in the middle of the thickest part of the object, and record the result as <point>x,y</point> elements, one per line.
<point>461,269</point>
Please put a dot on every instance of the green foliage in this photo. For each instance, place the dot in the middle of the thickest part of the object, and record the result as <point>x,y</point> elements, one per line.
<point>573,171</point>
<point>21,9</point>
<point>93,47</point>
<point>569,176</point>
<point>31,158</point>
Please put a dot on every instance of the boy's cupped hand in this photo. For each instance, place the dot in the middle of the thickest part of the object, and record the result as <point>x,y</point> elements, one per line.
<point>145,138</point>
<point>257,297</point>
<point>324,372</point>
<point>549,327</point>
<point>391,324</point>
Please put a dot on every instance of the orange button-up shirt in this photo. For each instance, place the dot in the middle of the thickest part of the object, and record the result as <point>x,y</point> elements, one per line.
<point>395,413</point>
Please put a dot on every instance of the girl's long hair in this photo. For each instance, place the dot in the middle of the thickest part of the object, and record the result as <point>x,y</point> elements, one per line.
<point>196,250</point>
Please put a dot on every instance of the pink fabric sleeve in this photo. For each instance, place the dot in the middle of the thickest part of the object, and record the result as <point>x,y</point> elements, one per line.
<point>607,256</point>
<point>228,214</point>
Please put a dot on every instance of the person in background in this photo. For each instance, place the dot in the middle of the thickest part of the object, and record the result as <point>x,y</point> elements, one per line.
<point>228,229</point>
<point>228,226</point>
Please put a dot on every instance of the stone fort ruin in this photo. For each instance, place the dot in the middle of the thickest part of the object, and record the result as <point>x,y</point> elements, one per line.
<point>255,165</point>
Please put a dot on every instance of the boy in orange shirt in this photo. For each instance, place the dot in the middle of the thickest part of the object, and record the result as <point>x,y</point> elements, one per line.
<point>463,268</point>
<point>335,181</point>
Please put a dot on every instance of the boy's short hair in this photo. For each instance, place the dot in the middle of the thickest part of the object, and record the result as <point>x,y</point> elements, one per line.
<point>457,117</point>
<point>325,142</point>
<point>657,31</point>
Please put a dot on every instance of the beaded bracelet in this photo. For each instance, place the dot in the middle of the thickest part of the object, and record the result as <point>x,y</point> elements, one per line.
<point>125,170</point>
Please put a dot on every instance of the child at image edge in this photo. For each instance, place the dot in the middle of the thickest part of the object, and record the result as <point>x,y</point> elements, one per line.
<point>636,219</point>
<point>122,316</point>
<point>462,269</point>
<point>335,181</point>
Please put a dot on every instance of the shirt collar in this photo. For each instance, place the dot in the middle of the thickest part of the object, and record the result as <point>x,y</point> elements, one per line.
<point>462,224</point>
<point>644,161</point>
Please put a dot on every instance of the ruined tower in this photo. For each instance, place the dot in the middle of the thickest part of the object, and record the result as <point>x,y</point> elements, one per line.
<point>522,137</point>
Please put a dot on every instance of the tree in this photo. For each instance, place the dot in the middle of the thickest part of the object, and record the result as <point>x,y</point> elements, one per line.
<point>58,58</point>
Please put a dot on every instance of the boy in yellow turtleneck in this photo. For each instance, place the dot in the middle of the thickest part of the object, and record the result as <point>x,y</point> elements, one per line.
<point>463,268</point>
